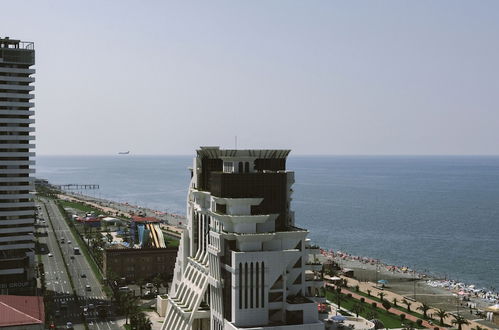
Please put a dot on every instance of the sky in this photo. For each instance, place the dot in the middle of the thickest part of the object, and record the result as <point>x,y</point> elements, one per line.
<point>317,77</point>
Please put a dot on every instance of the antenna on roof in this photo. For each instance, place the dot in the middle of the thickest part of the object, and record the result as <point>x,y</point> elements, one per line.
<point>235,140</point>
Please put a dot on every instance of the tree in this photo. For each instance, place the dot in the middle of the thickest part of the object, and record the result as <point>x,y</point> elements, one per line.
<point>140,321</point>
<point>357,309</point>
<point>381,295</point>
<point>407,303</point>
<point>109,237</point>
<point>395,301</point>
<point>442,314</point>
<point>129,305</point>
<point>369,293</point>
<point>371,314</point>
<point>459,321</point>
<point>339,298</point>
<point>156,281</point>
<point>386,305</point>
<point>424,308</point>
<point>408,325</point>
<point>141,282</point>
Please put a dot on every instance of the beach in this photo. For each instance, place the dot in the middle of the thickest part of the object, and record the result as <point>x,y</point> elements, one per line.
<point>402,282</point>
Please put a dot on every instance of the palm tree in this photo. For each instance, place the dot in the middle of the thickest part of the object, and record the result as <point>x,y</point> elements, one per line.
<point>395,301</point>
<point>407,303</point>
<point>424,308</point>
<point>442,314</point>
<point>339,298</point>
<point>381,296</point>
<point>459,321</point>
<point>357,309</point>
<point>129,305</point>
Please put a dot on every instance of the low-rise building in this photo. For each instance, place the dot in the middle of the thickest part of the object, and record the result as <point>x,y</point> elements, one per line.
<point>134,264</point>
<point>21,312</point>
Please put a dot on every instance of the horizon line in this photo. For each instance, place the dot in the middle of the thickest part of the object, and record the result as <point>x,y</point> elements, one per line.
<point>291,155</point>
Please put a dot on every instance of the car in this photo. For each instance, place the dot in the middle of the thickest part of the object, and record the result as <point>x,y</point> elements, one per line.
<point>51,255</point>
<point>88,288</point>
<point>69,242</point>
<point>85,311</point>
<point>83,275</point>
<point>149,285</point>
<point>72,257</point>
<point>124,289</point>
<point>69,325</point>
<point>57,313</point>
<point>91,306</point>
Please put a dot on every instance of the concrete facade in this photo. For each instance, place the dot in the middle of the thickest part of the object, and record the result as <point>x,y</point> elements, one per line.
<point>242,262</point>
<point>135,264</point>
<point>17,209</point>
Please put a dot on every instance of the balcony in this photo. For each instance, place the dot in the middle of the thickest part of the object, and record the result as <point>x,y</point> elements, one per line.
<point>315,266</point>
<point>313,249</point>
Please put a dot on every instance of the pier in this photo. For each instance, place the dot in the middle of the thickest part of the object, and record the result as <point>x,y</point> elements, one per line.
<point>75,186</point>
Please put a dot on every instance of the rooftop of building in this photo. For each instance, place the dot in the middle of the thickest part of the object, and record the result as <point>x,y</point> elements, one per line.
<point>6,42</point>
<point>216,152</point>
<point>137,218</point>
<point>21,310</point>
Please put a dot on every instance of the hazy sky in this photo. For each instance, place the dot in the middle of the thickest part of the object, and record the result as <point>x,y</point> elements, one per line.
<point>319,77</point>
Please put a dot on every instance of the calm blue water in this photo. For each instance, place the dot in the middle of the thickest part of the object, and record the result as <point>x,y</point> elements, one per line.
<point>431,213</point>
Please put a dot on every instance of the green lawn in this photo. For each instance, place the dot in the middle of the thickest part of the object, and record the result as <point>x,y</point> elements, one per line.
<point>171,242</point>
<point>390,320</point>
<point>80,206</point>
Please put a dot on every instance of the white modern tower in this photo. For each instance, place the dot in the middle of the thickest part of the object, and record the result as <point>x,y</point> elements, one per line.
<point>242,263</point>
<point>17,209</point>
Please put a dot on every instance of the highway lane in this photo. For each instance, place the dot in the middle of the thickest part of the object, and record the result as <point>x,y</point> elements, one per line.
<point>78,265</point>
<point>56,277</point>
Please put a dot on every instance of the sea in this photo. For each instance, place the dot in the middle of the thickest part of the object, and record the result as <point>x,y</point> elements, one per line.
<point>434,214</point>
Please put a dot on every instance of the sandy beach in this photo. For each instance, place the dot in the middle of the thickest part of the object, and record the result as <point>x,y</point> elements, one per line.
<point>412,286</point>
<point>402,283</point>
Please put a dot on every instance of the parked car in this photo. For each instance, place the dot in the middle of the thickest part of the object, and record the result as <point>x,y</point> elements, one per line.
<point>51,255</point>
<point>69,325</point>
<point>88,288</point>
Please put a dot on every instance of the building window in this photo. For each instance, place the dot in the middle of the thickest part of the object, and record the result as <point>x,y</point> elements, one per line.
<point>240,285</point>
<point>257,292</point>
<point>251,285</point>
<point>245,285</point>
<point>240,167</point>
<point>246,167</point>
<point>228,167</point>
<point>263,284</point>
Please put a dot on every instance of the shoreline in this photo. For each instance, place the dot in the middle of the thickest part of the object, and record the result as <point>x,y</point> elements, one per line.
<point>440,293</point>
<point>414,285</point>
<point>364,265</point>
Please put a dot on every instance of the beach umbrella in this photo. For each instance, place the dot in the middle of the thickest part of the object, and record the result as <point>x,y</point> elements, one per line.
<point>383,282</point>
<point>338,318</point>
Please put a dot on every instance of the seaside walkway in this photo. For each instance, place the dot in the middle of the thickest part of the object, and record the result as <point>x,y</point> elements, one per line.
<point>389,295</point>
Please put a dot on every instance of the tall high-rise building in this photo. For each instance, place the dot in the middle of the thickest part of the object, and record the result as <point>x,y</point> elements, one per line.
<point>17,209</point>
<point>242,262</point>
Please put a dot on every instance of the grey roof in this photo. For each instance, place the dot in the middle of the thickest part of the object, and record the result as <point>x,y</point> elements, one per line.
<point>216,152</point>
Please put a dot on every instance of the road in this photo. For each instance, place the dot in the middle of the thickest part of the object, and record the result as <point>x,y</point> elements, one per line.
<point>79,269</point>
